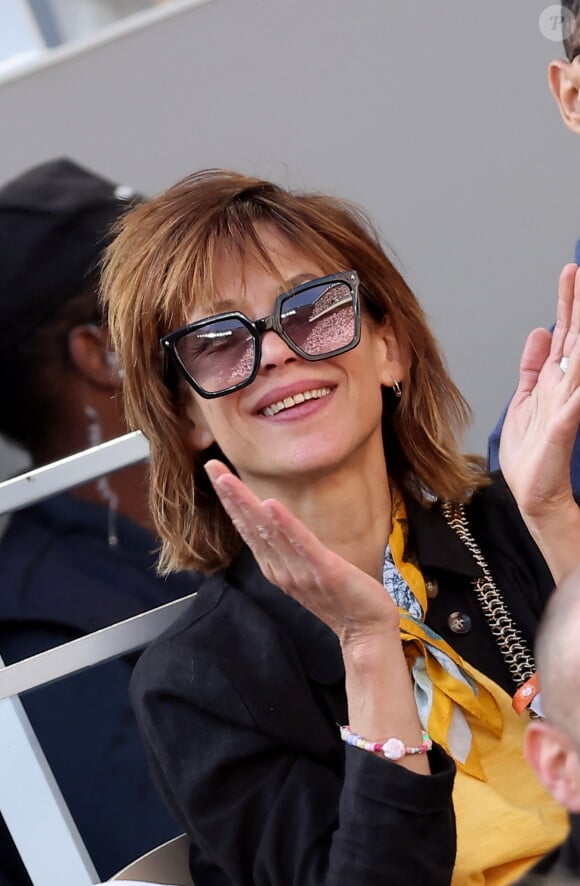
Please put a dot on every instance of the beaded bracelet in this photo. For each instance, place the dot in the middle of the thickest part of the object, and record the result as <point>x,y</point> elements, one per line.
<point>392,749</point>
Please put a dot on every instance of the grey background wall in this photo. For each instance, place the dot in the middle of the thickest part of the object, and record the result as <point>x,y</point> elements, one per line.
<point>435,116</point>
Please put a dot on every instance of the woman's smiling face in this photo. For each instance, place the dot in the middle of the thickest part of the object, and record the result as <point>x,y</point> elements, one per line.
<point>297,418</point>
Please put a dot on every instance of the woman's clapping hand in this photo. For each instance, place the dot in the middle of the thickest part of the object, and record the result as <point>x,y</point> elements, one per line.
<point>353,604</point>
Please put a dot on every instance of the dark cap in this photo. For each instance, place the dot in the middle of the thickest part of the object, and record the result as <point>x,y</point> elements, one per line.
<point>54,224</point>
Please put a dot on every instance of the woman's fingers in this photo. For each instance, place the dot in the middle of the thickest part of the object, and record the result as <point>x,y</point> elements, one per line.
<point>535,353</point>
<point>295,560</point>
<point>223,482</point>
<point>543,418</point>
<point>216,469</point>
<point>540,365</point>
<point>283,546</point>
<point>244,509</point>
<point>574,330</point>
<point>572,354</point>
<point>567,284</point>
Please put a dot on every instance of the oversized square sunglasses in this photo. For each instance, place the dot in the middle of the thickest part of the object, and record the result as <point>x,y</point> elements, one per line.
<point>220,354</point>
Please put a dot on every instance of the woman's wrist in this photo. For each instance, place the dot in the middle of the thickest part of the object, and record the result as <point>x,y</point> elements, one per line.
<point>556,531</point>
<point>379,689</point>
<point>390,748</point>
<point>366,650</point>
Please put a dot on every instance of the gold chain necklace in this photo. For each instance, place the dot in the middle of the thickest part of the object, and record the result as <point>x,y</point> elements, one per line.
<point>507,635</point>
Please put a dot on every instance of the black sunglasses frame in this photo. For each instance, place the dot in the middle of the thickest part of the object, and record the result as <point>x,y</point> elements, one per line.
<point>257,328</point>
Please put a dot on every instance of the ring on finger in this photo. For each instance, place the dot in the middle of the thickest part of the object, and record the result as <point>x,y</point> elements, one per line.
<point>564,364</point>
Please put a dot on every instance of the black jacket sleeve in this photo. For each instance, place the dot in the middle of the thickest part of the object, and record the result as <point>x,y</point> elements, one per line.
<point>264,788</point>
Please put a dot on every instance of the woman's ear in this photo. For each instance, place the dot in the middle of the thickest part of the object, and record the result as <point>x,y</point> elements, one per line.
<point>200,434</point>
<point>92,356</point>
<point>564,82</point>
<point>394,362</point>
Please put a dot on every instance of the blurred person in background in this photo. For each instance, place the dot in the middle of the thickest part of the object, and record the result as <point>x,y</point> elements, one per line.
<point>553,744</point>
<point>83,559</point>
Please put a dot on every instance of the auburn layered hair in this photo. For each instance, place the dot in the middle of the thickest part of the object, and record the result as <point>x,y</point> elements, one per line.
<point>160,266</point>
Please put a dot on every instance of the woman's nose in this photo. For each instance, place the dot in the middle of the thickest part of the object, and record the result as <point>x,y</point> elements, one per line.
<point>275,351</point>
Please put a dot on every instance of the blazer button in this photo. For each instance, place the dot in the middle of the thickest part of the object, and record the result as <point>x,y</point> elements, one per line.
<point>432,588</point>
<point>459,622</point>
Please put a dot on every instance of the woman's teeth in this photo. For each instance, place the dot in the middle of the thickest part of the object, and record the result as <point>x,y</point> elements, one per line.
<point>288,402</point>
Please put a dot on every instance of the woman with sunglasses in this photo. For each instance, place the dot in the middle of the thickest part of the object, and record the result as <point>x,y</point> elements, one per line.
<point>371,596</point>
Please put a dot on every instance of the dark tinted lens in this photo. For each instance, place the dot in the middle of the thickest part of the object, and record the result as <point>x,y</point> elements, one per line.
<point>218,355</point>
<point>320,319</point>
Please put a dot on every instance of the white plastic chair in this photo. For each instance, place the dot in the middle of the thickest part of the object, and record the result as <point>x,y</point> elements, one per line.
<point>167,865</point>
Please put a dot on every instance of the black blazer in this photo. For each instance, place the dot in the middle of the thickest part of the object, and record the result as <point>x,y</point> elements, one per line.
<point>239,703</point>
